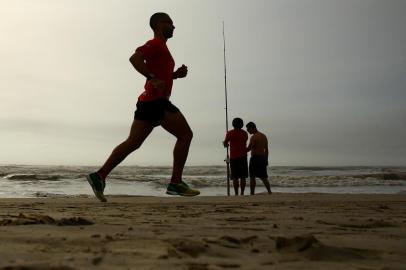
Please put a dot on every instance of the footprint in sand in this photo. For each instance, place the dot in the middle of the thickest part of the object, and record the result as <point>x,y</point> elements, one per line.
<point>314,250</point>
<point>359,224</point>
<point>22,219</point>
<point>230,241</point>
<point>188,246</point>
<point>198,266</point>
<point>37,267</point>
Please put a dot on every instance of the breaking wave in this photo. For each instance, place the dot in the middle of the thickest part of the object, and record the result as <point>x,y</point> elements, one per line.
<point>207,176</point>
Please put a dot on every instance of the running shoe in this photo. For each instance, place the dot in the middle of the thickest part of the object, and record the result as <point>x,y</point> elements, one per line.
<point>97,185</point>
<point>181,189</point>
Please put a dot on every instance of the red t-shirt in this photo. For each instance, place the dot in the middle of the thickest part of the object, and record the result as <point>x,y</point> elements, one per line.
<point>159,62</point>
<point>238,142</point>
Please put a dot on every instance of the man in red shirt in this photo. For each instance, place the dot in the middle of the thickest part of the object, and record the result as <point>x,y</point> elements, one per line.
<point>237,139</point>
<point>154,61</point>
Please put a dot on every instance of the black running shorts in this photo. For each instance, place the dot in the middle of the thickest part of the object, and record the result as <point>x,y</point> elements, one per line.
<point>239,167</point>
<point>258,166</point>
<point>154,111</point>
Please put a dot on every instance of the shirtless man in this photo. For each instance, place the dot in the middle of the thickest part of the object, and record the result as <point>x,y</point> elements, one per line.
<point>154,61</point>
<point>258,146</point>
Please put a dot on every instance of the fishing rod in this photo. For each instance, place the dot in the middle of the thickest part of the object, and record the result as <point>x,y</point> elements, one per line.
<point>227,160</point>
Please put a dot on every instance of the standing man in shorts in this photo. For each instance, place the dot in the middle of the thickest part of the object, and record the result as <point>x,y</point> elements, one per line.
<point>237,139</point>
<point>154,61</point>
<point>258,146</point>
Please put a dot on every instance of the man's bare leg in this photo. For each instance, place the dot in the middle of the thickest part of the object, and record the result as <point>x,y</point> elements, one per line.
<point>243,183</point>
<point>236,186</point>
<point>176,124</point>
<point>138,133</point>
<point>267,185</point>
<point>252,185</point>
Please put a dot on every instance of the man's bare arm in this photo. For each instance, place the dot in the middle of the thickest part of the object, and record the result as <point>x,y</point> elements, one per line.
<point>266,148</point>
<point>249,148</point>
<point>138,62</point>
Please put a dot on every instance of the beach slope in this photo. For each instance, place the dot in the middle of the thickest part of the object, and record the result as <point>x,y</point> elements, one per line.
<point>281,231</point>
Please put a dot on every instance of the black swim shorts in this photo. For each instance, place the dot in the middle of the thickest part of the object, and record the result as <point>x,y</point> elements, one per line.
<point>239,167</point>
<point>154,111</point>
<point>258,166</point>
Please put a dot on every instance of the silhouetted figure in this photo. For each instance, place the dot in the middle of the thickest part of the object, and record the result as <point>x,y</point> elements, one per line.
<point>237,139</point>
<point>154,61</point>
<point>258,146</point>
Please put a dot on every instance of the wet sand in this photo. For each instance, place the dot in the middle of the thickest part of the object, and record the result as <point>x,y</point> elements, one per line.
<point>282,231</point>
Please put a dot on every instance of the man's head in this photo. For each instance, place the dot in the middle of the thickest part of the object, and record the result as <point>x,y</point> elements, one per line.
<point>238,123</point>
<point>161,23</point>
<point>251,128</point>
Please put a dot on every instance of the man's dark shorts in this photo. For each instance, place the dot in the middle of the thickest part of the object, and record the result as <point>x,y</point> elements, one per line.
<point>154,111</point>
<point>258,166</point>
<point>239,167</point>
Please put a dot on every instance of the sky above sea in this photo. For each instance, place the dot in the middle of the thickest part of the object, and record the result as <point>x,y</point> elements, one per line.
<point>325,80</point>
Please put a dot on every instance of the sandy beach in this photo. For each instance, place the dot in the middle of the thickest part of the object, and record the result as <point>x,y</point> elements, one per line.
<point>282,231</point>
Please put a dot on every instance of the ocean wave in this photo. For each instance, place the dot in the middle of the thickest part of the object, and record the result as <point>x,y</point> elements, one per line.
<point>382,176</point>
<point>43,194</point>
<point>332,181</point>
<point>215,176</point>
<point>24,176</point>
<point>389,179</point>
<point>276,180</point>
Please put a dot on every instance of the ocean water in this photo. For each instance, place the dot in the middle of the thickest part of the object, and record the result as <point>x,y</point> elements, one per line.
<point>18,181</point>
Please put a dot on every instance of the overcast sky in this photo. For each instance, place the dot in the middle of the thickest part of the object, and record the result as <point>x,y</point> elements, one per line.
<point>325,80</point>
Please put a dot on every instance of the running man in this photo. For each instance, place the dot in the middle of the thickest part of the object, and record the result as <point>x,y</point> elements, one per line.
<point>258,146</point>
<point>237,139</point>
<point>154,61</point>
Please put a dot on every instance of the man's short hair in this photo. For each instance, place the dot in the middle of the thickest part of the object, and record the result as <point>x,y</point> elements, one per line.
<point>155,18</point>
<point>251,125</point>
<point>238,123</point>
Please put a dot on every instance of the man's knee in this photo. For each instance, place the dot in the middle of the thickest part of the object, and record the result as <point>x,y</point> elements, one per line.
<point>190,135</point>
<point>132,146</point>
<point>186,136</point>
